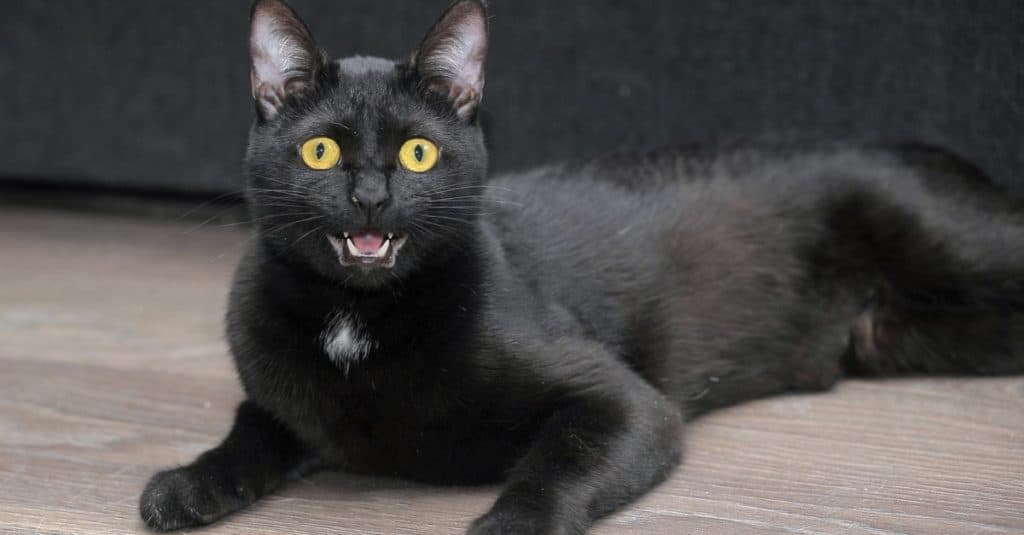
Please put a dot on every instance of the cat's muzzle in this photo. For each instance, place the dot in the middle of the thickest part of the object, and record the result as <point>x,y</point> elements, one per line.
<point>367,248</point>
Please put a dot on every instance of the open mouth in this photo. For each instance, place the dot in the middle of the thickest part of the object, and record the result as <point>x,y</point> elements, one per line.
<point>367,248</point>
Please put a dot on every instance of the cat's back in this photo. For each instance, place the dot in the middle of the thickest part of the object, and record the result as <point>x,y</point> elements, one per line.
<point>607,238</point>
<point>620,201</point>
<point>625,226</point>
<point>671,180</point>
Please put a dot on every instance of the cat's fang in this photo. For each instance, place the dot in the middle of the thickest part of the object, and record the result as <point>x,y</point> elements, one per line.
<point>352,250</point>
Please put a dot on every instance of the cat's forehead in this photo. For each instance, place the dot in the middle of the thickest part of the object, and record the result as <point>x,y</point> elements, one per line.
<point>368,95</point>
<point>365,84</point>
<point>357,66</point>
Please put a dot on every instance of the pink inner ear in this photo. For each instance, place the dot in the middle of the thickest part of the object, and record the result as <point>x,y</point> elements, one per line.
<point>452,57</point>
<point>284,57</point>
<point>463,98</point>
<point>275,53</point>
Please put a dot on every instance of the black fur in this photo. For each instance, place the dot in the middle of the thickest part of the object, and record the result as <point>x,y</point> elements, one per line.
<point>555,328</point>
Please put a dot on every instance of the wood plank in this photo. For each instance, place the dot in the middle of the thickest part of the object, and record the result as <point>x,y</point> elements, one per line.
<point>114,366</point>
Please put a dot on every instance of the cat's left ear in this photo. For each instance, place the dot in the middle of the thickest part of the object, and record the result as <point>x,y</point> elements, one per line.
<point>450,60</point>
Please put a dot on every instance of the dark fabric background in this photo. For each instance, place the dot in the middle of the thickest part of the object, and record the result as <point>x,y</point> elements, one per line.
<point>154,95</point>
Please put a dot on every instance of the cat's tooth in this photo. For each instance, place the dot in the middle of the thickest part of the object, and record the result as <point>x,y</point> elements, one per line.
<point>399,242</point>
<point>338,245</point>
<point>344,235</point>
<point>383,251</point>
<point>391,235</point>
<point>352,250</point>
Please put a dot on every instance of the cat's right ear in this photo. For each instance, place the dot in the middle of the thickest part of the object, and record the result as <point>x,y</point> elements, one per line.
<point>286,61</point>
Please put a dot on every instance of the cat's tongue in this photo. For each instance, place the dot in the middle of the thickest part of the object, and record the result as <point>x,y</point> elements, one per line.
<point>368,242</point>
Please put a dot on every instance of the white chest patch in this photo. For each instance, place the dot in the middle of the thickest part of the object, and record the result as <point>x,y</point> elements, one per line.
<point>345,341</point>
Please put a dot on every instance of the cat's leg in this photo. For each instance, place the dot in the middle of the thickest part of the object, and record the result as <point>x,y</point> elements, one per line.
<point>943,286</point>
<point>891,340</point>
<point>612,438</point>
<point>252,461</point>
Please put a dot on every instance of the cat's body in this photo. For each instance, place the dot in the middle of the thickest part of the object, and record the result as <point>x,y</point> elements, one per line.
<point>697,274</point>
<point>555,327</point>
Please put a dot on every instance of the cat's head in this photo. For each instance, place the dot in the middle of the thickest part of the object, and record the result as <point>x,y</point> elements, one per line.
<point>365,169</point>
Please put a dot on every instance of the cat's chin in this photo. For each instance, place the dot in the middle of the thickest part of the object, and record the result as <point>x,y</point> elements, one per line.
<point>352,250</point>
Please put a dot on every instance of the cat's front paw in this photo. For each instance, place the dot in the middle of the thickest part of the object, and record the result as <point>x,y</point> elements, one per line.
<point>513,521</point>
<point>498,524</point>
<point>188,496</point>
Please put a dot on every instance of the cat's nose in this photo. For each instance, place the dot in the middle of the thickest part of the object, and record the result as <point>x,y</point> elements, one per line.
<point>370,199</point>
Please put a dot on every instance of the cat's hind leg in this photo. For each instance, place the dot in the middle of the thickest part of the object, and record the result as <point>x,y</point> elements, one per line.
<point>943,289</point>
<point>892,340</point>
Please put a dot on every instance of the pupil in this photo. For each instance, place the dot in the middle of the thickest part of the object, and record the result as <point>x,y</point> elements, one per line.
<point>418,153</point>
<point>319,151</point>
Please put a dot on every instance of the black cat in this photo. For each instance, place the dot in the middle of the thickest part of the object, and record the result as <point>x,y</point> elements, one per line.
<point>401,314</point>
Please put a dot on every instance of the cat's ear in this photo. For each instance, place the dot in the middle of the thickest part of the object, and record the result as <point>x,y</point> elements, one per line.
<point>286,61</point>
<point>450,60</point>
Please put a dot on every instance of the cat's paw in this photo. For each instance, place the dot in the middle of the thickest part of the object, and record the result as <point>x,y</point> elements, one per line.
<point>502,524</point>
<point>186,497</point>
<point>509,521</point>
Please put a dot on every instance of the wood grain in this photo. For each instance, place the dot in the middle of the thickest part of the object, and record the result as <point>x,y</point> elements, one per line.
<point>112,365</point>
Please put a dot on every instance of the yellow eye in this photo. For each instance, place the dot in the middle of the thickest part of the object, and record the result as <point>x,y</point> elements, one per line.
<point>320,153</point>
<point>418,155</point>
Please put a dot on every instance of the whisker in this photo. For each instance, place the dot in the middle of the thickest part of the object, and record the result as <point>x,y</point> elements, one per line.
<point>300,238</point>
<point>281,228</point>
<point>206,203</point>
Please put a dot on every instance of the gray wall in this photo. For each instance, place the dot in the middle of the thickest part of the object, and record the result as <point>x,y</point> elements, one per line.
<point>154,95</point>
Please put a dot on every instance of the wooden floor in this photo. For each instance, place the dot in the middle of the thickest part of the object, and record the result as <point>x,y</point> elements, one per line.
<point>112,365</point>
